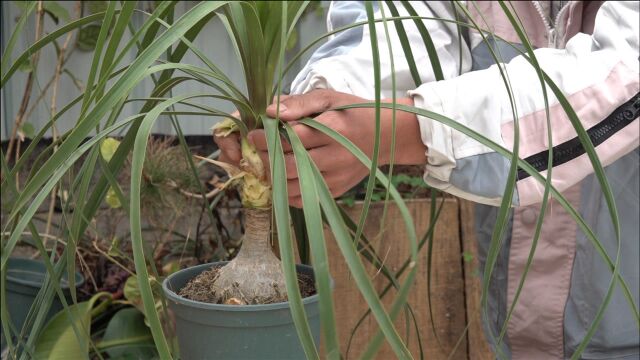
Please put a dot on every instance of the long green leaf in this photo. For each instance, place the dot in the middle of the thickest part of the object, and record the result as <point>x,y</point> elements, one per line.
<point>376,143</point>
<point>406,46</point>
<point>117,31</point>
<point>280,205</point>
<point>8,49</point>
<point>428,42</point>
<point>315,231</point>
<point>97,53</point>
<point>281,212</point>
<point>45,40</point>
<point>139,152</point>
<point>353,261</point>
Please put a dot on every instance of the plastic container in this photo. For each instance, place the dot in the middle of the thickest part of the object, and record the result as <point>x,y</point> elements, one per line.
<point>216,331</point>
<point>25,277</point>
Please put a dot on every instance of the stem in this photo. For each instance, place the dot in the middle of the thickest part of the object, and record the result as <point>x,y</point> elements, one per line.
<point>45,89</point>
<point>133,340</point>
<point>54,110</point>
<point>256,192</point>
<point>257,234</point>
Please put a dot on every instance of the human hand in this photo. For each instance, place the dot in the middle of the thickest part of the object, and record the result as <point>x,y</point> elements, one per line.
<point>229,145</point>
<point>341,169</point>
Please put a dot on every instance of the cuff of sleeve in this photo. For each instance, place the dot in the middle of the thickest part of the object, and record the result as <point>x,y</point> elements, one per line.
<point>436,136</point>
<point>320,76</point>
<point>457,192</point>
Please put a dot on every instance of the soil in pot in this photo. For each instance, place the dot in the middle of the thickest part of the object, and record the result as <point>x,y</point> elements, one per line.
<point>203,288</point>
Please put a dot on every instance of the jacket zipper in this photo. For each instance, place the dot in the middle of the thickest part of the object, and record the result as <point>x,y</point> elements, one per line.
<point>557,29</point>
<point>560,13</point>
<point>552,32</point>
<point>599,133</point>
<point>542,15</point>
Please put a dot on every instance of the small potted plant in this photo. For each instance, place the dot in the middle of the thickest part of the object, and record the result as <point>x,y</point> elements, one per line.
<point>239,309</point>
<point>25,277</point>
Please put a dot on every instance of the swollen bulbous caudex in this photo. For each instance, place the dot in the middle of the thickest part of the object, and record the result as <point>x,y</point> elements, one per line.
<point>255,276</point>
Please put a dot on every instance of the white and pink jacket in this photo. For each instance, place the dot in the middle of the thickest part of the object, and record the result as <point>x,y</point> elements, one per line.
<point>590,50</point>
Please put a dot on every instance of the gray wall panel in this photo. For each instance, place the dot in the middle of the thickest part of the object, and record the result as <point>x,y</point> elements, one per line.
<point>213,42</point>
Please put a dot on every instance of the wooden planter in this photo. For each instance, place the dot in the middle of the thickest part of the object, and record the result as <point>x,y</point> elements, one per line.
<point>454,282</point>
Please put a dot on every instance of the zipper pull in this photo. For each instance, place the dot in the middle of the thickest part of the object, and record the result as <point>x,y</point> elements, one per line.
<point>553,36</point>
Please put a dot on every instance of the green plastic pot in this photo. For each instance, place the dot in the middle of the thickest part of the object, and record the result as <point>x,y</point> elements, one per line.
<point>25,277</point>
<point>216,331</point>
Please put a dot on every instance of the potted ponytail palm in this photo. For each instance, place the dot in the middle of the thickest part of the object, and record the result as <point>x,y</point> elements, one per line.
<point>239,309</point>
<point>249,307</point>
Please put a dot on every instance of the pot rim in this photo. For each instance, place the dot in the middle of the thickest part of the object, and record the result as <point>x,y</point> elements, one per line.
<point>172,295</point>
<point>64,284</point>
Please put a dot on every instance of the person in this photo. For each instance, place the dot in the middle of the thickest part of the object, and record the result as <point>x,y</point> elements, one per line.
<point>590,51</point>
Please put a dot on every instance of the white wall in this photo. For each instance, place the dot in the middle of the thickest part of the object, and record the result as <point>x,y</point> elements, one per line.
<point>212,41</point>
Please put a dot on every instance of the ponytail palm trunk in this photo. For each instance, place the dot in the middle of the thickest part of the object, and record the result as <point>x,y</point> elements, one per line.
<point>255,275</point>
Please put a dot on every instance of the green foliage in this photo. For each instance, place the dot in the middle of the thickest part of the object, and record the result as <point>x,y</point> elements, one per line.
<point>59,340</point>
<point>409,186</point>
<point>165,176</point>
<point>56,11</point>
<point>413,181</point>
<point>28,130</point>
<point>26,66</point>
<point>134,296</point>
<point>127,337</point>
<point>88,35</point>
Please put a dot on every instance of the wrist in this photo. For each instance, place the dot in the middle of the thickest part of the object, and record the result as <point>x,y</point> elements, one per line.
<point>409,148</point>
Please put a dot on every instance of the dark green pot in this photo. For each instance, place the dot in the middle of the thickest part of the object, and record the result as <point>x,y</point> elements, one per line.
<point>25,277</point>
<point>215,331</point>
